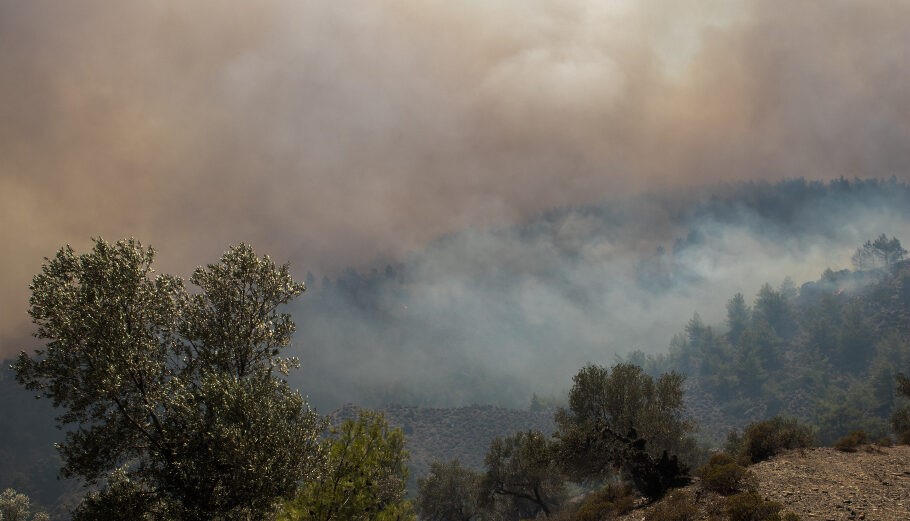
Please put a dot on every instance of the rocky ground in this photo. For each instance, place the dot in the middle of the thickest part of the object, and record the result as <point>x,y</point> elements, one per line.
<point>872,484</point>
<point>824,484</point>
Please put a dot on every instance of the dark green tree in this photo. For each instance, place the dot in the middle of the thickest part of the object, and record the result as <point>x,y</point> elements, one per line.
<point>880,253</point>
<point>773,308</point>
<point>522,470</point>
<point>752,357</point>
<point>363,478</point>
<point>172,401</point>
<point>739,316</point>
<point>620,419</point>
<point>449,492</point>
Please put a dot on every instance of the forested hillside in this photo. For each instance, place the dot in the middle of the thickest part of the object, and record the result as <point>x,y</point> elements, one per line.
<point>827,352</point>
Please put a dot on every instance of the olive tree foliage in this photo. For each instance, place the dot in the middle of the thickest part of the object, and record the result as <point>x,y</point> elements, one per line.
<point>622,420</point>
<point>171,398</point>
<point>522,475</point>
<point>364,476</point>
<point>449,492</point>
<point>16,506</point>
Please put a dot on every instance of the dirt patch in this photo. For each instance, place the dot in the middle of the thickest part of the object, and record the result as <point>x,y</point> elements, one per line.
<point>872,484</point>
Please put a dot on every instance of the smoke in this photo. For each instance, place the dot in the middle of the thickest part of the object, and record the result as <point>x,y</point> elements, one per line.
<point>492,316</point>
<point>335,133</point>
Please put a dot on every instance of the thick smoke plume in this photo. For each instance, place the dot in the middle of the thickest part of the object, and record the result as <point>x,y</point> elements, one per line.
<point>492,316</point>
<point>335,133</point>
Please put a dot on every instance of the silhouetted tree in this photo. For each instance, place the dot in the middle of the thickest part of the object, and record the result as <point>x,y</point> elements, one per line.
<point>880,253</point>
<point>522,468</point>
<point>621,419</point>
<point>449,492</point>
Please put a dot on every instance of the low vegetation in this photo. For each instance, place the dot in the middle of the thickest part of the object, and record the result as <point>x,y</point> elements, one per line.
<point>765,439</point>
<point>678,506</point>
<point>611,501</point>
<point>723,475</point>
<point>750,506</point>
<point>852,441</point>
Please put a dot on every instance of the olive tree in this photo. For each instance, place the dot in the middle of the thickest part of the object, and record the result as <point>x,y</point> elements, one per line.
<point>174,402</point>
<point>620,419</point>
<point>522,471</point>
<point>449,492</point>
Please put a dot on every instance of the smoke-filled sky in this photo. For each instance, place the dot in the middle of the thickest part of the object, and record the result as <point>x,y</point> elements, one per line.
<point>338,132</point>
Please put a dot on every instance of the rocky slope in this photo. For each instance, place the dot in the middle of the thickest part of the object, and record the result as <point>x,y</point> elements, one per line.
<point>872,484</point>
<point>825,484</point>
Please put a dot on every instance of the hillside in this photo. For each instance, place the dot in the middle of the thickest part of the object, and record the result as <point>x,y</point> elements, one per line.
<point>826,485</point>
<point>459,433</point>
<point>826,353</point>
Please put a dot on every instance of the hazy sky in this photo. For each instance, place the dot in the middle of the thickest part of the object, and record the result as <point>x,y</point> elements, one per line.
<point>336,132</point>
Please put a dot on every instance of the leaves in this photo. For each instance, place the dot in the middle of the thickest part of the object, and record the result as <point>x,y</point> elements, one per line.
<point>363,477</point>
<point>172,393</point>
<point>621,419</point>
<point>449,492</point>
<point>522,469</point>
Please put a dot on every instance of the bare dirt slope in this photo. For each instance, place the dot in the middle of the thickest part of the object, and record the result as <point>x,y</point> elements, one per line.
<point>872,484</point>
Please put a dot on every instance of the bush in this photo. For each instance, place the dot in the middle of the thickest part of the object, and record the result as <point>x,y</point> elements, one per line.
<point>852,441</point>
<point>723,475</point>
<point>679,505</point>
<point>901,423</point>
<point>610,501</point>
<point>749,506</point>
<point>765,439</point>
<point>885,441</point>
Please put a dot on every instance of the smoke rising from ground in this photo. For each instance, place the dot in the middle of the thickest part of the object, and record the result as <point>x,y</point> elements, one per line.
<point>334,133</point>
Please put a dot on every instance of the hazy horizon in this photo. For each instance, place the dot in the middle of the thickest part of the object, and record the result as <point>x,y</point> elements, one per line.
<point>337,134</point>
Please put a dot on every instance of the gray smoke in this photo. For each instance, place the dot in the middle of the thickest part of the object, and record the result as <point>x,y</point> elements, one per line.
<point>336,133</point>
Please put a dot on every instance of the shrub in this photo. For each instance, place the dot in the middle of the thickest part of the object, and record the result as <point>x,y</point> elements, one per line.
<point>749,506</point>
<point>679,505</point>
<point>850,442</point>
<point>885,441</point>
<point>901,423</point>
<point>610,501</point>
<point>723,475</point>
<point>763,440</point>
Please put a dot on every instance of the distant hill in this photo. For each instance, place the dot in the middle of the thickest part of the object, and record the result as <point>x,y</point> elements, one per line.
<point>458,433</point>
